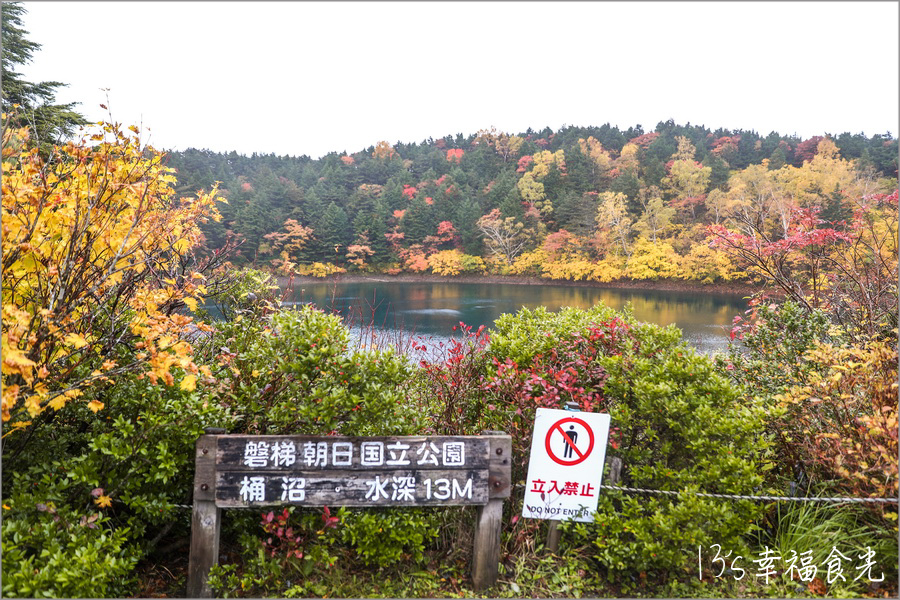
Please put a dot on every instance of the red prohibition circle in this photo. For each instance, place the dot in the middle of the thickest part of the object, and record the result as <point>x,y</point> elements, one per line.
<point>558,426</point>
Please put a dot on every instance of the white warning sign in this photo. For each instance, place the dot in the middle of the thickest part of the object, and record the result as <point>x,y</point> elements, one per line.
<point>565,467</point>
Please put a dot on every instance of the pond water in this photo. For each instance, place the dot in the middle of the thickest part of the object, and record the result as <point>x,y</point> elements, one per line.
<point>395,312</point>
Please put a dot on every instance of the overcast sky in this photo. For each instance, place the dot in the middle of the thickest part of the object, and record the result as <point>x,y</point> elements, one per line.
<point>310,78</point>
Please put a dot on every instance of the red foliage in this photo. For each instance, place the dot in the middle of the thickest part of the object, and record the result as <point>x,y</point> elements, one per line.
<point>286,540</point>
<point>644,140</point>
<point>409,191</point>
<point>802,233</point>
<point>806,150</point>
<point>347,160</point>
<point>567,373</point>
<point>455,154</point>
<point>446,236</point>
<point>524,163</point>
<point>725,145</point>
<point>446,228</point>
<point>559,242</point>
<point>454,379</point>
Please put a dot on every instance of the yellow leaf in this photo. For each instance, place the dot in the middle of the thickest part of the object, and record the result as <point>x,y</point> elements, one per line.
<point>103,501</point>
<point>58,402</point>
<point>76,340</point>
<point>10,395</point>
<point>16,358</point>
<point>33,405</point>
<point>191,303</point>
<point>95,405</point>
<point>189,383</point>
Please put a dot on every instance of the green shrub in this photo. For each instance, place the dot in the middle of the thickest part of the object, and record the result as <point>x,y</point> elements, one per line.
<point>676,422</point>
<point>382,537</point>
<point>138,450</point>
<point>58,553</point>
<point>766,354</point>
<point>291,372</point>
<point>528,333</point>
<point>295,544</point>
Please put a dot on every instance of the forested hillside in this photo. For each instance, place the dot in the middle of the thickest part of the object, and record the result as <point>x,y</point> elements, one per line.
<point>582,203</point>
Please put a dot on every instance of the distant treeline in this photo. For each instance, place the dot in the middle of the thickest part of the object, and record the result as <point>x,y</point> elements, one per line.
<point>580,203</point>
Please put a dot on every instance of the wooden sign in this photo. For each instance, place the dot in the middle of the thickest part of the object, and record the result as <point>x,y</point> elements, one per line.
<point>351,471</point>
<point>243,471</point>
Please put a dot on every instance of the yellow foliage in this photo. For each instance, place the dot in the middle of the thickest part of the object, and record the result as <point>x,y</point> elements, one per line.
<point>189,383</point>
<point>581,269</point>
<point>709,265</point>
<point>629,158</point>
<point>318,269</point>
<point>844,417</point>
<point>653,260</point>
<point>530,189</point>
<point>574,269</point>
<point>600,159</point>
<point>472,264</point>
<point>79,234</point>
<point>529,263</point>
<point>446,262</point>
<point>612,267</point>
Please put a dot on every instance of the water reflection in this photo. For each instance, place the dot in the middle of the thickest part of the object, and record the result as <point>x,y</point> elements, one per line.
<point>403,309</point>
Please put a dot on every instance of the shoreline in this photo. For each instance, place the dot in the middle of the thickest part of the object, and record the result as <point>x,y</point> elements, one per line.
<point>668,285</point>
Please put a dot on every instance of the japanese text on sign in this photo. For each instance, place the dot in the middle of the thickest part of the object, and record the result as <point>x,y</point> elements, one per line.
<point>412,470</point>
<point>263,454</point>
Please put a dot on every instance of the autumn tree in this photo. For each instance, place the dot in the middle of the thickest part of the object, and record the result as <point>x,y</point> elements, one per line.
<point>288,243</point>
<point>653,260</point>
<point>359,253</point>
<point>384,151</point>
<point>851,273</point>
<point>504,144</point>
<point>687,180</point>
<point>656,216</point>
<point>505,237</point>
<point>530,185</point>
<point>96,264</point>
<point>613,215</point>
<point>600,159</point>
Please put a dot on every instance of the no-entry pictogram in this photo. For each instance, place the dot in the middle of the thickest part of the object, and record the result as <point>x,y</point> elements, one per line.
<point>563,440</point>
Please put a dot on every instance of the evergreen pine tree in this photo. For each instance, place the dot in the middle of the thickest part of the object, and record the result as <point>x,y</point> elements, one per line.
<point>37,110</point>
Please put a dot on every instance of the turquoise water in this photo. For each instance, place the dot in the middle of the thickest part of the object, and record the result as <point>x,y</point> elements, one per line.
<point>395,312</point>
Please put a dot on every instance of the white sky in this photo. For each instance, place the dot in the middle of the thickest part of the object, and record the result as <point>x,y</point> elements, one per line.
<point>314,77</point>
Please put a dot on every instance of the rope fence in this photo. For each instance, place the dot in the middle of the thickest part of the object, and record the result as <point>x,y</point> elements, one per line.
<point>836,500</point>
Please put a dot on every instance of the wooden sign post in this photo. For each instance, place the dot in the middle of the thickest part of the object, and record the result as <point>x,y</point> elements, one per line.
<point>242,471</point>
